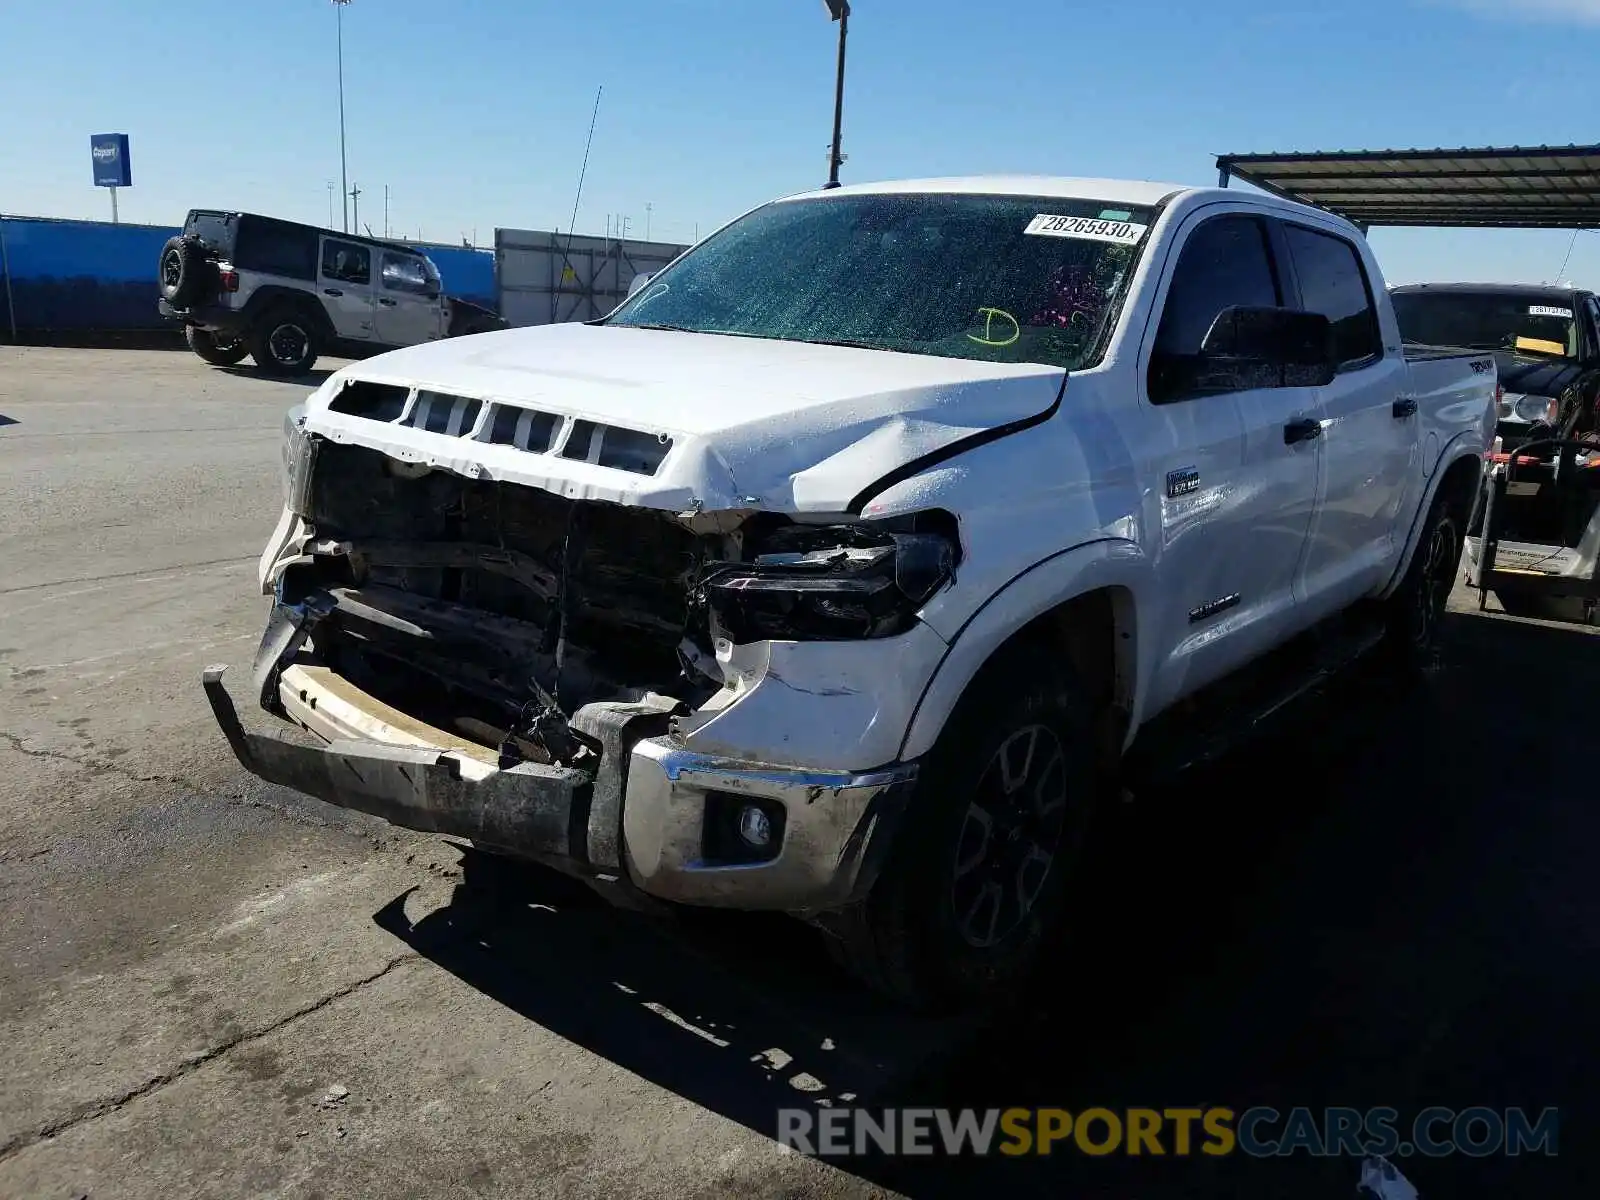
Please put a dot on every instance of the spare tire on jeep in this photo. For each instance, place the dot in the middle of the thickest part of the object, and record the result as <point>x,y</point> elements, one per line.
<point>185,271</point>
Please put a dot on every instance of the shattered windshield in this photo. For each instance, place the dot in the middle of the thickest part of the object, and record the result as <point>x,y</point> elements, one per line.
<point>1522,322</point>
<point>1020,279</point>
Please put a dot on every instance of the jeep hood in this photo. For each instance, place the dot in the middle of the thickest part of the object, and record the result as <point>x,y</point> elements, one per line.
<point>748,422</point>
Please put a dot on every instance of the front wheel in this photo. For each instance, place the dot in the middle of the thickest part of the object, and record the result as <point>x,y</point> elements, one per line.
<point>284,342</point>
<point>213,350</point>
<point>976,884</point>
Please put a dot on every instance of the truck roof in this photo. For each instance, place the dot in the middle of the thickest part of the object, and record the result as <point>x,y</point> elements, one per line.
<point>1140,192</point>
<point>1514,289</point>
<point>1129,191</point>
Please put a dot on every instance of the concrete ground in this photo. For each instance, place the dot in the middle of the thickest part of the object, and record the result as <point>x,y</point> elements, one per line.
<point>214,988</point>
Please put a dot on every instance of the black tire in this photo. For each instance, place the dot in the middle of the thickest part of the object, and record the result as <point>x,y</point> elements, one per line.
<point>1414,613</point>
<point>218,353</point>
<point>185,274</point>
<point>284,341</point>
<point>925,937</point>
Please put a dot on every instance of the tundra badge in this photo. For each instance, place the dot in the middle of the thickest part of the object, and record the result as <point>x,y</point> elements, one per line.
<point>1212,607</point>
<point>1182,481</point>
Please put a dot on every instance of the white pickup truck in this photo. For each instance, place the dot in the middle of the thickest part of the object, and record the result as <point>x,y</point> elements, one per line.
<point>852,559</point>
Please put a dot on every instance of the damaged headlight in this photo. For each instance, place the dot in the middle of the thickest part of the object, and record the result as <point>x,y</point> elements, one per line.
<point>299,455</point>
<point>830,583</point>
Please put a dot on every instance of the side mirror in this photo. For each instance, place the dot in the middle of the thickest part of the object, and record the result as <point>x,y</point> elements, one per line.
<point>639,280</point>
<point>1271,347</point>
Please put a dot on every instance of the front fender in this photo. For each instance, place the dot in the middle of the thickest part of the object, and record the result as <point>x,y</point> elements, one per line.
<point>1107,563</point>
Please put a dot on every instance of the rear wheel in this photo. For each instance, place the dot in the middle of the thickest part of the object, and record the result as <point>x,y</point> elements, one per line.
<point>976,884</point>
<point>216,351</point>
<point>283,342</point>
<point>1415,612</point>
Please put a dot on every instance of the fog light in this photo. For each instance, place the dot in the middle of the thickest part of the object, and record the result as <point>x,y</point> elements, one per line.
<point>755,827</point>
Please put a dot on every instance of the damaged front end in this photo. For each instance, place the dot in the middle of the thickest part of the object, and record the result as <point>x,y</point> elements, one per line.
<point>498,662</point>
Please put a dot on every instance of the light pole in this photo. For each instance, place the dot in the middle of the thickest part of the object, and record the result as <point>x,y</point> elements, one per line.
<point>344,174</point>
<point>838,10</point>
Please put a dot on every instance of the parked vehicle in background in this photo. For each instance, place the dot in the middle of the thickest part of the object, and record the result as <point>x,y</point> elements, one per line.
<point>1546,343</point>
<point>285,293</point>
<point>849,563</point>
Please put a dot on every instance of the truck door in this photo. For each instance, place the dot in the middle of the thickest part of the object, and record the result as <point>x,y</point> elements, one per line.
<point>409,308</point>
<point>1236,464</point>
<point>1370,448</point>
<point>344,284</point>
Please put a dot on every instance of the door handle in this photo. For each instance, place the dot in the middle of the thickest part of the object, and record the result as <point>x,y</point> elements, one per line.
<point>332,292</point>
<point>386,302</point>
<point>1403,407</point>
<point>1301,429</point>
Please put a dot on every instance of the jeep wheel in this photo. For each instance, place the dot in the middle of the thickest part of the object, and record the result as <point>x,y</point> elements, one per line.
<point>215,351</point>
<point>284,342</point>
<point>977,880</point>
<point>184,271</point>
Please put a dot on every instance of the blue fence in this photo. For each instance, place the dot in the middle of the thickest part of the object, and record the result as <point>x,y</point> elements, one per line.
<point>82,276</point>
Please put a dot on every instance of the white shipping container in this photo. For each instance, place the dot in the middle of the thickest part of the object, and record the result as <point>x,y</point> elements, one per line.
<point>546,277</point>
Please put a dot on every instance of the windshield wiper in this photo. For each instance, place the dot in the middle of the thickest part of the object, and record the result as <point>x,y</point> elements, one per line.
<point>852,343</point>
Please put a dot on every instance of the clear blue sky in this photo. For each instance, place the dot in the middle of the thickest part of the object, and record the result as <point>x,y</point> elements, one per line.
<point>474,112</point>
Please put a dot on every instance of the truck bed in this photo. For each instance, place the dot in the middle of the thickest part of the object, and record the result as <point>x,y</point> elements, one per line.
<point>1421,352</point>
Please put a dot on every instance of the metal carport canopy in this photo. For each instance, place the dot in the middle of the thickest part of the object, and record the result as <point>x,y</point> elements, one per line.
<point>1515,187</point>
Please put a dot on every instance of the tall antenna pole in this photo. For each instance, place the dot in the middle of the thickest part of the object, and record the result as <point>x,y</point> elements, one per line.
<point>839,10</point>
<point>344,173</point>
<point>566,261</point>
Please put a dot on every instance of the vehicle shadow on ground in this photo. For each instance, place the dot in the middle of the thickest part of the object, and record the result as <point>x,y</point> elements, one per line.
<point>5,420</point>
<point>312,378</point>
<point>1384,901</point>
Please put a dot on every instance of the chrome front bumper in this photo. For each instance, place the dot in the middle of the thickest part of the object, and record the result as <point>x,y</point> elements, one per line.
<point>643,822</point>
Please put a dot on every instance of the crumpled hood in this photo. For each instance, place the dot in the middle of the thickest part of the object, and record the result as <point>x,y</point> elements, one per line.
<point>753,423</point>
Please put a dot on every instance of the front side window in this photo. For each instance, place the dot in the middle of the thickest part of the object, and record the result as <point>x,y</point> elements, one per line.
<point>406,273</point>
<point>1333,283</point>
<point>346,262</point>
<point>1016,279</point>
<point>1224,263</point>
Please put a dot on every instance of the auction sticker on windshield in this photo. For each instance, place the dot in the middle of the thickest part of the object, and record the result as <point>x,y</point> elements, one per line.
<point>1120,233</point>
<point>1542,310</point>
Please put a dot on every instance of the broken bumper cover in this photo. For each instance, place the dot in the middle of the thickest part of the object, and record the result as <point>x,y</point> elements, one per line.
<point>639,823</point>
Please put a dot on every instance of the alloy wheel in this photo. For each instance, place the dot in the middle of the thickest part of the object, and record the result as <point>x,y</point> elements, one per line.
<point>1010,836</point>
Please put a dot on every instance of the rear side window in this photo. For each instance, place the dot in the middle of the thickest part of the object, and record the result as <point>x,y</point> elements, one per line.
<point>1333,283</point>
<point>346,262</point>
<point>277,248</point>
<point>1225,262</point>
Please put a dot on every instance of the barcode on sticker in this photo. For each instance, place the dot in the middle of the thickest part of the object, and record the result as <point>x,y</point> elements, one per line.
<point>1541,310</point>
<point>1120,233</point>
